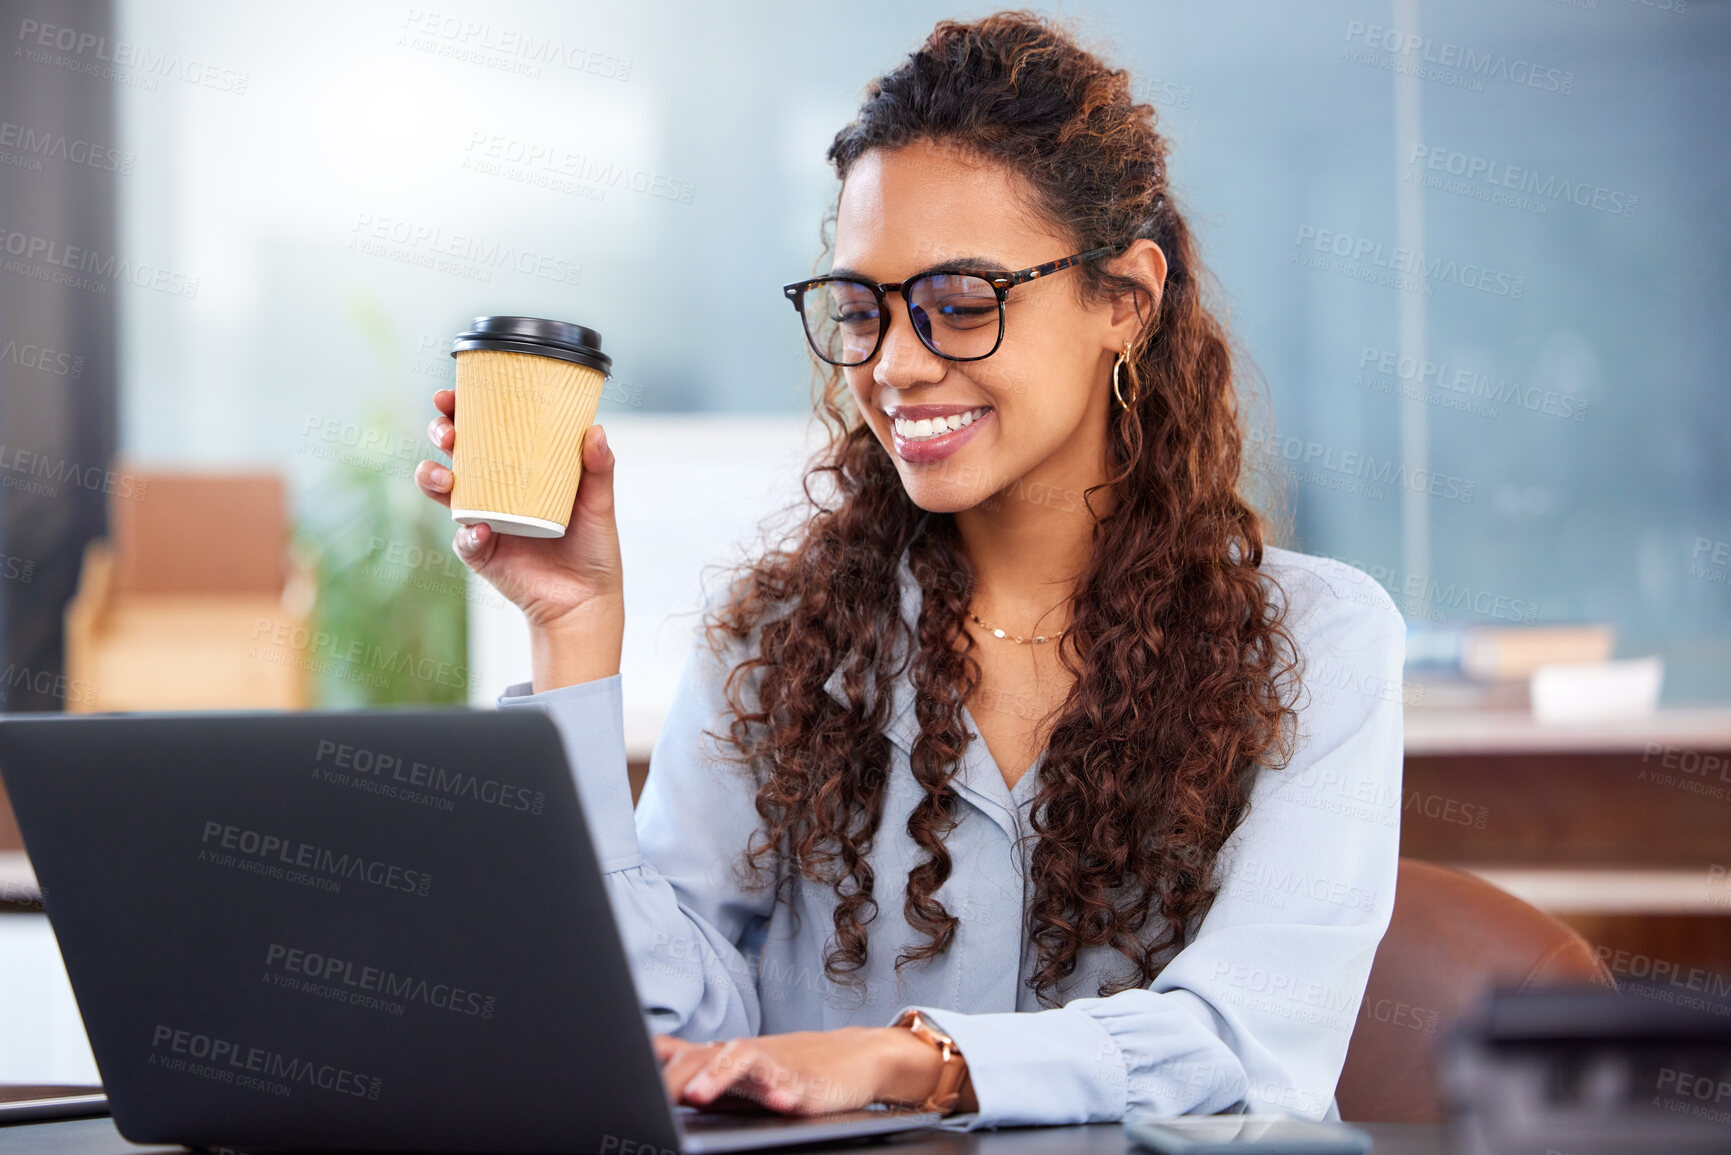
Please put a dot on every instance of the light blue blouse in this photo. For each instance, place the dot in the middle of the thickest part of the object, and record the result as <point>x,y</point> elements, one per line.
<point>1254,1014</point>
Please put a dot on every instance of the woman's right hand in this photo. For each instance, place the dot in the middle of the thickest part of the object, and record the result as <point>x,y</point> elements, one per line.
<point>570,588</point>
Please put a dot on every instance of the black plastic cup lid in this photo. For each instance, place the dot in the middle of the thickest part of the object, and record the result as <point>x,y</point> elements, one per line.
<point>535,335</point>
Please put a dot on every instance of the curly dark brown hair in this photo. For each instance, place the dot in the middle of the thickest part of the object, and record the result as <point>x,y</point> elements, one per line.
<point>1177,648</point>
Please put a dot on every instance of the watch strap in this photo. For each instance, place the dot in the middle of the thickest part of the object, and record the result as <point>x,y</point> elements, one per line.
<point>955,1068</point>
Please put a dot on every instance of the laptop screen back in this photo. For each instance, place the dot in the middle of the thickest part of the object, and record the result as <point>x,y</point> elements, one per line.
<point>381,930</point>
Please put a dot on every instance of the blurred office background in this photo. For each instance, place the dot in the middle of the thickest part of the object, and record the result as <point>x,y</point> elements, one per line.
<point>239,240</point>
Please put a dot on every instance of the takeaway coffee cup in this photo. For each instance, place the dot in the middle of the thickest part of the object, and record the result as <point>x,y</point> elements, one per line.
<point>527,390</point>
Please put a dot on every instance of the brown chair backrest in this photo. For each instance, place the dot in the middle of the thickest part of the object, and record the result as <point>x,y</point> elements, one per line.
<point>200,533</point>
<point>1453,937</point>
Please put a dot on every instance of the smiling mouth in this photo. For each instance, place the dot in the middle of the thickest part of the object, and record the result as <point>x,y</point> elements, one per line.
<point>927,428</point>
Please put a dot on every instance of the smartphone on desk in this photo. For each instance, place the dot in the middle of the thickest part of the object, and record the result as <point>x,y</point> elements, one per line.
<point>1245,1134</point>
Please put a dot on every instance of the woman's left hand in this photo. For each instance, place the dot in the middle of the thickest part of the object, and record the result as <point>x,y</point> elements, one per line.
<point>801,1072</point>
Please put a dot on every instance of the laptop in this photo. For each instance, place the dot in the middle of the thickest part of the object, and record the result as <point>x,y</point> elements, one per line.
<point>358,931</point>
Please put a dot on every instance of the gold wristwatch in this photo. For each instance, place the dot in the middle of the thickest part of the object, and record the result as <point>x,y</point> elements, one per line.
<point>955,1068</point>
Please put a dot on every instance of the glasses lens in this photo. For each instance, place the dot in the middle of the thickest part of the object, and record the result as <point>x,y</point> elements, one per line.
<point>841,321</point>
<point>956,315</point>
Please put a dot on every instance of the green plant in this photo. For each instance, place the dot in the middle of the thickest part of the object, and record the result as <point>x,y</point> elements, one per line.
<point>391,615</point>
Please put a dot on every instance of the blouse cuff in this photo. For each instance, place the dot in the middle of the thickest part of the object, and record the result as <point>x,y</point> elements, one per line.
<point>1069,1057</point>
<point>590,718</point>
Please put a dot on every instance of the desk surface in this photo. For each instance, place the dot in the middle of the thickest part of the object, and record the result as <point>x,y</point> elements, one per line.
<point>98,1137</point>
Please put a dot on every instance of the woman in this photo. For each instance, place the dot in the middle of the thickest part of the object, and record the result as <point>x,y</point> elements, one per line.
<point>1024,780</point>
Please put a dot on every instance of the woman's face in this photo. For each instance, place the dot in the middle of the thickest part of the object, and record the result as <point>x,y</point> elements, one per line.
<point>1039,404</point>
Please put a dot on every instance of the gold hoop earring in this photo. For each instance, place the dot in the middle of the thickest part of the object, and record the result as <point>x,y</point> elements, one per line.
<point>1122,362</point>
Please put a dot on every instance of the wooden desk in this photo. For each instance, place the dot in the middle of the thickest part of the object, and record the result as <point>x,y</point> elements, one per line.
<point>98,1137</point>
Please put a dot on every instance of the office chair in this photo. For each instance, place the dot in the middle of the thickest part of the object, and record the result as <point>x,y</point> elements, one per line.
<point>1452,938</point>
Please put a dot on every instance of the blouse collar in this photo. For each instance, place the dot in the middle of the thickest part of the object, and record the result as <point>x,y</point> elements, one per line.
<point>979,779</point>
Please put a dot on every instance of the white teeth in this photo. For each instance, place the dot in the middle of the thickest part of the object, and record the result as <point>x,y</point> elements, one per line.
<point>936,426</point>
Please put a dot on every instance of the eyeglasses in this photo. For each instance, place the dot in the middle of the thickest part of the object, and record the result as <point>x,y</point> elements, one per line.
<point>958,313</point>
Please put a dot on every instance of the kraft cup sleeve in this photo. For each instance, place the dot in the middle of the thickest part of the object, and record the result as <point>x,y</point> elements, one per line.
<point>521,421</point>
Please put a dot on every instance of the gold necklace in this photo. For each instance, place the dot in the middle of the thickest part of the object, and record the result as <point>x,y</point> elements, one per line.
<point>1020,641</point>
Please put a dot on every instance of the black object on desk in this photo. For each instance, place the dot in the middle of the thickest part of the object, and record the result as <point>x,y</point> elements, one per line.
<point>1593,1072</point>
<point>27,1103</point>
